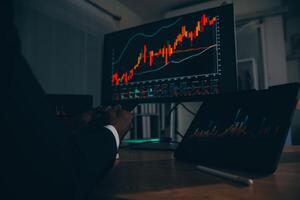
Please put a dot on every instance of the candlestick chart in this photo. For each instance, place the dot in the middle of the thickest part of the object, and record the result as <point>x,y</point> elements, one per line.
<point>185,48</point>
<point>180,58</point>
<point>239,127</point>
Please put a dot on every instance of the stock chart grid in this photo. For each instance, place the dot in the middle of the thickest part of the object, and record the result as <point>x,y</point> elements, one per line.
<point>178,57</point>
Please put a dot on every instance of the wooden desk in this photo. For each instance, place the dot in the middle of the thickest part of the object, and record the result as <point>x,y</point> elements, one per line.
<point>156,175</point>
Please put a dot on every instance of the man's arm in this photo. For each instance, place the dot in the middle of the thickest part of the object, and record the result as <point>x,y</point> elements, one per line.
<point>96,149</point>
<point>38,158</point>
<point>98,145</point>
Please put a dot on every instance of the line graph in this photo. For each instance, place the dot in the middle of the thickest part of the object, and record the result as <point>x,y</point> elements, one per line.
<point>144,35</point>
<point>185,57</point>
<point>172,44</point>
<point>176,62</point>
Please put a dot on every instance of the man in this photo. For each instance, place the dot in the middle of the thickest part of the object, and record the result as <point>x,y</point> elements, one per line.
<point>40,157</point>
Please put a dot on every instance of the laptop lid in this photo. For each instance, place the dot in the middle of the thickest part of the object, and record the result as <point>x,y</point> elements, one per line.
<point>243,131</point>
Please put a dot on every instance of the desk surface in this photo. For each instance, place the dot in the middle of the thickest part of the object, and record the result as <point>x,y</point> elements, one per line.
<point>156,175</point>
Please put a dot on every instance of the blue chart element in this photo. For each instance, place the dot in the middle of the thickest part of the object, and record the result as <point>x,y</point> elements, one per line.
<point>146,36</point>
<point>174,58</point>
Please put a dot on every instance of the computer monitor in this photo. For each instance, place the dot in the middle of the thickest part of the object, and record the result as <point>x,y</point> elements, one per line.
<point>184,58</point>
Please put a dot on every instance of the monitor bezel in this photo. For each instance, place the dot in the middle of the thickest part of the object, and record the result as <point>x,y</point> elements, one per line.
<point>106,88</point>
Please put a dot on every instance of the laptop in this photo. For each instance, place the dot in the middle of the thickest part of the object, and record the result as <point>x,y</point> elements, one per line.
<point>245,131</point>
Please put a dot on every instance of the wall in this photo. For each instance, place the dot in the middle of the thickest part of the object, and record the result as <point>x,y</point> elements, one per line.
<point>292,29</point>
<point>293,59</point>
<point>275,50</point>
<point>62,41</point>
<point>129,18</point>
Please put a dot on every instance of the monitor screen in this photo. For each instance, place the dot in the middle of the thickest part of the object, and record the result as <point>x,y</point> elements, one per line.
<point>183,58</point>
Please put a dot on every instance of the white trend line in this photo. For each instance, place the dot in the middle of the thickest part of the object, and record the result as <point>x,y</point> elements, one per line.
<point>175,62</point>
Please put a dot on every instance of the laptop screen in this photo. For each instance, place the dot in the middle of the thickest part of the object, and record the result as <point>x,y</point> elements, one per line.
<point>248,127</point>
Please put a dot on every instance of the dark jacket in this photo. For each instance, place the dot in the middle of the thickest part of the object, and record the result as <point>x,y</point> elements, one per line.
<point>40,158</point>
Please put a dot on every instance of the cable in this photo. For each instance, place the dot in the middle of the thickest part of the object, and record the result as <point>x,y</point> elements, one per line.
<point>172,109</point>
<point>178,133</point>
<point>187,109</point>
<point>167,117</point>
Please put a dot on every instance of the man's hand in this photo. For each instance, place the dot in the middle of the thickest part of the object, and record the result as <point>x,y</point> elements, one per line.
<point>101,116</point>
<point>120,119</point>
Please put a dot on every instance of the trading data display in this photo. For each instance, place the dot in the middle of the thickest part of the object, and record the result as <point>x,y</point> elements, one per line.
<point>186,56</point>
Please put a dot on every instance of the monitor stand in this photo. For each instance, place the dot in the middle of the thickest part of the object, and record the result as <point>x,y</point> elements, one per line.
<point>163,143</point>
